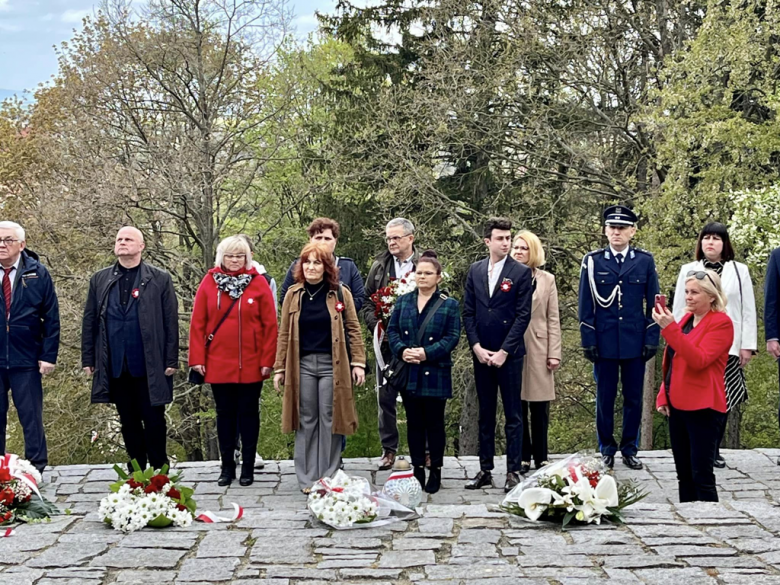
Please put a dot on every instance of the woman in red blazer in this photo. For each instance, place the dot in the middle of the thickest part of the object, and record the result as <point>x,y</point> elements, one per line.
<point>693,394</point>
<point>240,355</point>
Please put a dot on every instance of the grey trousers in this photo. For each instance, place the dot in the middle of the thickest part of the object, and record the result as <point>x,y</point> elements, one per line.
<point>386,409</point>
<point>317,450</point>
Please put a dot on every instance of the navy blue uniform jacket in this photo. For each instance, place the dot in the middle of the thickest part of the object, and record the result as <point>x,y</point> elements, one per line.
<point>33,332</point>
<point>500,321</point>
<point>433,377</point>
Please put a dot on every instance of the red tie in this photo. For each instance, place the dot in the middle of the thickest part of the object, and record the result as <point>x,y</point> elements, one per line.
<point>7,289</point>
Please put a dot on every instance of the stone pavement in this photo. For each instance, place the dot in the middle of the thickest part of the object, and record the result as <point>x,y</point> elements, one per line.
<point>458,541</point>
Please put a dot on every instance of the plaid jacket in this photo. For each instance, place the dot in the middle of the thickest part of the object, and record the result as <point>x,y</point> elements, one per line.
<point>433,377</point>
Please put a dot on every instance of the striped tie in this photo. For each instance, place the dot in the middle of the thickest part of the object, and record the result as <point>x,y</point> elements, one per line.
<point>7,289</point>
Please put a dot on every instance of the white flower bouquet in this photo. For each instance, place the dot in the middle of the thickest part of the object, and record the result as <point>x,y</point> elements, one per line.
<point>578,489</point>
<point>345,501</point>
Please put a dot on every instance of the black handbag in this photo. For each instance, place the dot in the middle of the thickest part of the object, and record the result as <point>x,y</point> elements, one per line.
<point>196,377</point>
<point>396,371</point>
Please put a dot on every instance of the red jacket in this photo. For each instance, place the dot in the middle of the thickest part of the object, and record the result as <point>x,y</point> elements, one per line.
<point>699,363</point>
<point>245,342</point>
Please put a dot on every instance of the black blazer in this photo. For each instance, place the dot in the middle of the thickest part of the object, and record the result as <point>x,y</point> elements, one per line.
<point>500,321</point>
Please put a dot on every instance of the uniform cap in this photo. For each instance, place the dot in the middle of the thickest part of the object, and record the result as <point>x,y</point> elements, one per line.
<point>619,215</point>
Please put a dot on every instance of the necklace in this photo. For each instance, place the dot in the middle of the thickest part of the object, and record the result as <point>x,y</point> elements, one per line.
<point>314,294</point>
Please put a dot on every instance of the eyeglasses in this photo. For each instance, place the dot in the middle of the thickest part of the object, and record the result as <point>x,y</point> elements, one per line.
<point>699,275</point>
<point>396,239</point>
<point>8,242</point>
<point>235,256</point>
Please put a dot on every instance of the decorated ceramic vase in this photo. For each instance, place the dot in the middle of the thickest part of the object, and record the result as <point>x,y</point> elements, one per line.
<point>402,486</point>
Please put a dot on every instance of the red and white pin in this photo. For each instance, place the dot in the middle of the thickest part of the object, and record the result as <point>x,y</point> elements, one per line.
<point>136,292</point>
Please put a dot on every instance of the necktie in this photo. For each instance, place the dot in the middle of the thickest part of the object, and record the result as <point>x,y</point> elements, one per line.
<point>619,258</point>
<point>7,289</point>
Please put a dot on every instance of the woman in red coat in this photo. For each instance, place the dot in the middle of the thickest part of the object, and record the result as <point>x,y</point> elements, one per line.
<point>240,354</point>
<point>693,393</point>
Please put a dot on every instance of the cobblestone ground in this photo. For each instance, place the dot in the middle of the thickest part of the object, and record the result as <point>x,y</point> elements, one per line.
<point>459,540</point>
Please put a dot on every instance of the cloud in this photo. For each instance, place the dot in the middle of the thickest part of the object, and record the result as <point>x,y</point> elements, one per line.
<point>9,27</point>
<point>5,5</point>
<point>73,15</point>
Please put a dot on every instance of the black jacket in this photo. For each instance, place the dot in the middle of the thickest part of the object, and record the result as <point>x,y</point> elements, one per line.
<point>33,332</point>
<point>382,270</point>
<point>158,315</point>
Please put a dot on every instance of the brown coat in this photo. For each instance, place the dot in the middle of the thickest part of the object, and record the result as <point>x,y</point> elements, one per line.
<point>288,360</point>
<point>542,341</point>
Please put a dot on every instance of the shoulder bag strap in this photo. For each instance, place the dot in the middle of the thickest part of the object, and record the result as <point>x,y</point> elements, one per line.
<point>421,331</point>
<point>739,279</point>
<point>210,338</point>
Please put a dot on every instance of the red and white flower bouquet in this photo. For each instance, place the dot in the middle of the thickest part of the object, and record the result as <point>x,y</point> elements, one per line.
<point>20,499</point>
<point>578,489</point>
<point>147,498</point>
<point>384,301</point>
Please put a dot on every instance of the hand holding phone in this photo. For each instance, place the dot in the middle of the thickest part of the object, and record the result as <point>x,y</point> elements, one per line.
<point>660,303</point>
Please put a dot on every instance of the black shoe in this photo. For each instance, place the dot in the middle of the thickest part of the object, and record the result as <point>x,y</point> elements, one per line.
<point>434,480</point>
<point>719,462</point>
<point>228,474</point>
<point>512,479</point>
<point>609,460</point>
<point>482,479</point>
<point>525,467</point>
<point>632,462</point>
<point>419,474</point>
<point>247,474</point>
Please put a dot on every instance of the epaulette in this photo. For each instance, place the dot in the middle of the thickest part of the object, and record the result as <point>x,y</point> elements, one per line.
<point>594,252</point>
<point>643,251</point>
<point>443,296</point>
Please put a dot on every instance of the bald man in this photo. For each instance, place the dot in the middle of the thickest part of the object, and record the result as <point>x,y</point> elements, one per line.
<point>130,346</point>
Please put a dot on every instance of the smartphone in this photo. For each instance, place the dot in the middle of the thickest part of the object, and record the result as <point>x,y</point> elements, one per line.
<point>660,302</point>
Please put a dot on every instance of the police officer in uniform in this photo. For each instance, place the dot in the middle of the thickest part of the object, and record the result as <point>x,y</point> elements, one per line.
<point>618,285</point>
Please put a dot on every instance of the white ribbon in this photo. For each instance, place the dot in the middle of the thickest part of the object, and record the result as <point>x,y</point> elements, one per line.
<point>379,335</point>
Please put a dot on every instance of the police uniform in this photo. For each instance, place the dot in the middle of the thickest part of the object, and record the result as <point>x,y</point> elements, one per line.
<point>618,333</point>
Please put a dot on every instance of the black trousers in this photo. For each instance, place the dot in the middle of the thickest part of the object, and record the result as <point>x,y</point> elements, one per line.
<point>238,406</point>
<point>489,379</point>
<point>27,391</point>
<point>694,435</point>
<point>535,433</point>
<point>425,423</point>
<point>143,425</point>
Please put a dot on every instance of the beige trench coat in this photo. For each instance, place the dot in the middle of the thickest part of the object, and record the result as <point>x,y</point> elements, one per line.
<point>288,360</point>
<point>542,341</point>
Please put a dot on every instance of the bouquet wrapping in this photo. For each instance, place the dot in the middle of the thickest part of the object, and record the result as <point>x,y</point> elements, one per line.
<point>578,489</point>
<point>20,498</point>
<point>384,301</point>
<point>344,502</point>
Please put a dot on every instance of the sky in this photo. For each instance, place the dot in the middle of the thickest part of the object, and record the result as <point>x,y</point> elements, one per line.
<point>30,28</point>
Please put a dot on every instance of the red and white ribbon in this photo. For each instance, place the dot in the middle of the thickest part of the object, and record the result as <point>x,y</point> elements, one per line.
<point>8,461</point>
<point>212,518</point>
<point>8,532</point>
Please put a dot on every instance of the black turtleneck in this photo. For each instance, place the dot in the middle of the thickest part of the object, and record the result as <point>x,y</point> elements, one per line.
<point>314,329</point>
<point>126,283</point>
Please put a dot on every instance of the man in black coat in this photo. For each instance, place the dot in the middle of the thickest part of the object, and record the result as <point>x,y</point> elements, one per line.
<point>772,308</point>
<point>28,348</point>
<point>130,344</point>
<point>496,313</point>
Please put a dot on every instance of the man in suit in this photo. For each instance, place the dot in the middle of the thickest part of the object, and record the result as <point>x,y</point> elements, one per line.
<point>771,309</point>
<point>618,285</point>
<point>28,349</point>
<point>130,345</point>
<point>496,313</point>
<point>397,261</point>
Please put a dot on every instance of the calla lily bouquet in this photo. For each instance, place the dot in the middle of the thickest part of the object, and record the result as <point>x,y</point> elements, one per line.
<point>578,489</point>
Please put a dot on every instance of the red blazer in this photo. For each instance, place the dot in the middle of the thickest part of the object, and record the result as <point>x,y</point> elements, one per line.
<point>245,342</point>
<point>699,363</point>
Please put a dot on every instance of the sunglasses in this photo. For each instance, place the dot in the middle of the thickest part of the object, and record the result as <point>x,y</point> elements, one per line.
<point>699,275</point>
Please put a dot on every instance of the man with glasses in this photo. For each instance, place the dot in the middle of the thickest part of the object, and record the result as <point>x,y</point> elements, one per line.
<point>130,345</point>
<point>399,260</point>
<point>618,285</point>
<point>31,339</point>
<point>771,308</point>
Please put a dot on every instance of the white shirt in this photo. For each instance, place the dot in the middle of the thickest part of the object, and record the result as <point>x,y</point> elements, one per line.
<point>13,270</point>
<point>494,272</point>
<point>403,268</point>
<point>615,253</point>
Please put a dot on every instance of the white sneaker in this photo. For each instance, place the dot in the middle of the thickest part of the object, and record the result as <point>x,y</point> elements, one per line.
<point>259,463</point>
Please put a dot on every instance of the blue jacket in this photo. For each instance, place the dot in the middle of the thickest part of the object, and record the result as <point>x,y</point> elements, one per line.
<point>349,275</point>
<point>622,328</point>
<point>433,377</point>
<point>499,321</point>
<point>33,332</point>
<point>771,285</point>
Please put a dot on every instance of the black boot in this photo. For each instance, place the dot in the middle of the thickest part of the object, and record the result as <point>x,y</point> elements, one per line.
<point>228,471</point>
<point>434,480</point>
<point>419,474</point>
<point>247,473</point>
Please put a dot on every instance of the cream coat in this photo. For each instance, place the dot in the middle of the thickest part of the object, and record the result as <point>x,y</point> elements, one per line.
<point>542,341</point>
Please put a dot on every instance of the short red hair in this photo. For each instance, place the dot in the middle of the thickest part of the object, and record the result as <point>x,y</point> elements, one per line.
<point>321,253</point>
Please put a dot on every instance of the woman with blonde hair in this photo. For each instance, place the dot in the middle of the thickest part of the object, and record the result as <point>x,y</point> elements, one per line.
<point>232,342</point>
<point>543,351</point>
<point>693,392</point>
